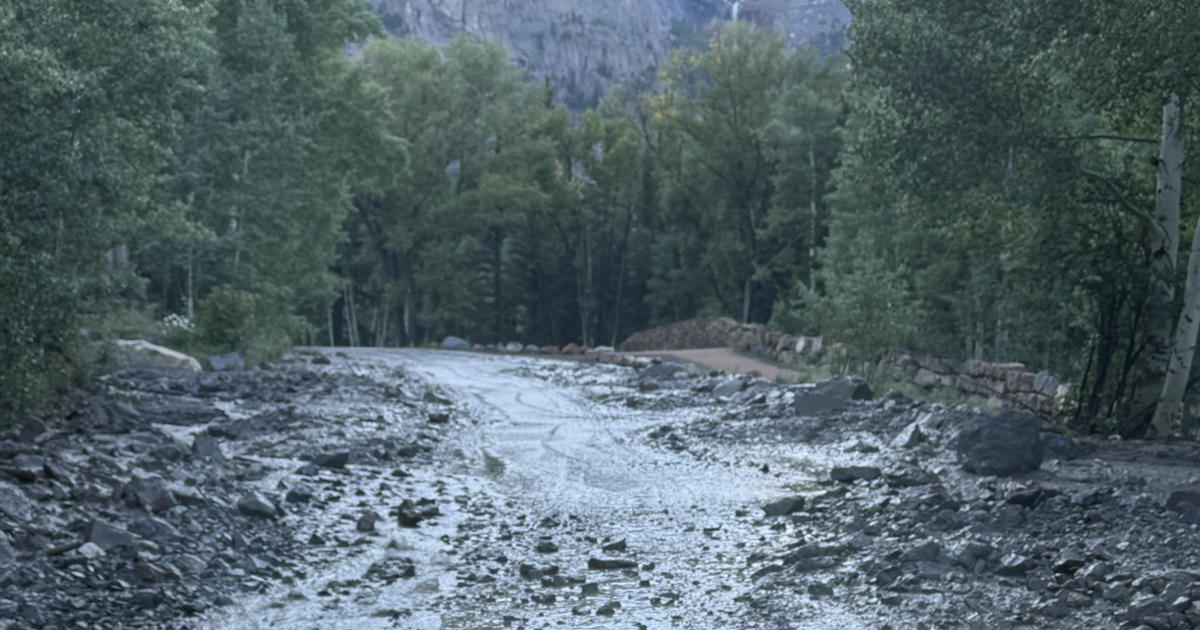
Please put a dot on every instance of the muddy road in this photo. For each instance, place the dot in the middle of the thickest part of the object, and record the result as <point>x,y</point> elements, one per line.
<point>540,488</point>
<point>421,489</point>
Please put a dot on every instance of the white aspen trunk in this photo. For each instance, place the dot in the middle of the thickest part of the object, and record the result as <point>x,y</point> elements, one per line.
<point>1169,411</point>
<point>812,223</point>
<point>329,323</point>
<point>408,332</point>
<point>1162,239</point>
<point>191,288</point>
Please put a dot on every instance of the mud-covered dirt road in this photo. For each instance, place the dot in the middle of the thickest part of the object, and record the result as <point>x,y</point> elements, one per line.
<point>381,489</point>
<point>555,514</point>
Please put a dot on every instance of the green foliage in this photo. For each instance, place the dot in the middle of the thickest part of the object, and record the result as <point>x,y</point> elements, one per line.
<point>226,317</point>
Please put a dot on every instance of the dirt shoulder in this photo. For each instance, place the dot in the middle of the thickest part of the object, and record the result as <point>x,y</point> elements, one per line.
<point>723,359</point>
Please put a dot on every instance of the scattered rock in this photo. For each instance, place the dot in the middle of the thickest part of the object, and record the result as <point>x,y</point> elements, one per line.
<point>14,503</point>
<point>846,474</point>
<point>206,447</point>
<point>910,437</point>
<point>366,522</point>
<point>1186,501</point>
<point>26,468</point>
<point>149,494</point>
<point>784,506</point>
<point>256,505</point>
<point>729,388</point>
<point>1008,444</point>
<point>299,494</point>
<point>152,528</point>
<point>831,395</point>
<point>614,547</point>
<point>334,461</point>
<point>546,546</point>
<point>190,564</point>
<point>610,564</point>
<point>91,551</point>
<point>108,537</point>
<point>608,609</point>
<point>1015,564</point>
<point>412,513</point>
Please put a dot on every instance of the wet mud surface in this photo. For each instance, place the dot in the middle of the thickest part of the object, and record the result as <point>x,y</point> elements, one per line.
<point>421,489</point>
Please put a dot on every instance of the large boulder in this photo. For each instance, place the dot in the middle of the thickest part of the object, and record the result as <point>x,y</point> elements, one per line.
<point>455,343</point>
<point>831,395</point>
<point>141,354</point>
<point>1009,443</point>
<point>1186,501</point>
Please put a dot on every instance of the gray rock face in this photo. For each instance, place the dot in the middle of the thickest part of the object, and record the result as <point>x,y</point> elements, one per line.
<point>455,343</point>
<point>586,47</point>
<point>1008,444</point>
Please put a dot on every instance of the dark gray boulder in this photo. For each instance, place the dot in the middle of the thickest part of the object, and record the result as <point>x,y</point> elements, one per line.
<point>1009,443</point>
<point>207,447</point>
<point>255,504</point>
<point>1186,501</point>
<point>831,395</point>
<point>784,506</point>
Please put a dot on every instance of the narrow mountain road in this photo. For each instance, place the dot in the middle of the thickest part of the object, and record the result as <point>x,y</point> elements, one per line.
<point>554,513</point>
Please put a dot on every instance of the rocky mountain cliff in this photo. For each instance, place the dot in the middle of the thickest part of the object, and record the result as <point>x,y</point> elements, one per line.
<point>584,46</point>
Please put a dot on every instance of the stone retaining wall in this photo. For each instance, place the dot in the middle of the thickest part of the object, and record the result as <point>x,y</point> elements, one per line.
<point>993,384</point>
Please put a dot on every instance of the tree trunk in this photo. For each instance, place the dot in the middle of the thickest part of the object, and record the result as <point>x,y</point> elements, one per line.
<point>746,300</point>
<point>329,321</point>
<point>812,223</point>
<point>1169,411</point>
<point>1163,243</point>
<point>408,331</point>
<point>191,288</point>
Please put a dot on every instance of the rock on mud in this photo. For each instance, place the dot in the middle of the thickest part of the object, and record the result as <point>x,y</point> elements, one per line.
<point>784,506</point>
<point>847,474</point>
<point>831,395</point>
<point>1008,444</point>
<point>255,504</point>
<point>1186,501</point>
<point>411,513</point>
<point>610,564</point>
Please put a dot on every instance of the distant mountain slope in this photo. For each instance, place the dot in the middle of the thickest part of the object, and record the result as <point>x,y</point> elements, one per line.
<point>584,46</point>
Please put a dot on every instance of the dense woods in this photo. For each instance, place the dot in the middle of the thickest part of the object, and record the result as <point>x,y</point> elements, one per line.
<point>1004,182</point>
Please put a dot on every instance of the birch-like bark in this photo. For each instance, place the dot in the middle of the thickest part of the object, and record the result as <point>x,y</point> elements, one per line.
<point>1162,239</point>
<point>1169,411</point>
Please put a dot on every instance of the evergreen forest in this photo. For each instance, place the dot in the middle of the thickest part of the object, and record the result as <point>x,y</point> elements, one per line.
<point>1000,180</point>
